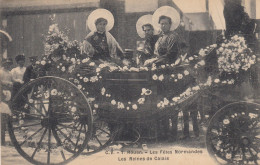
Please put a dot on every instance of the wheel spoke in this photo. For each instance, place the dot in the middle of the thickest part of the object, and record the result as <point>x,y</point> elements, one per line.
<point>98,140</point>
<point>103,130</point>
<point>70,127</point>
<point>39,143</point>
<point>31,136</point>
<point>34,115</point>
<point>78,136</point>
<point>66,137</point>
<point>26,125</point>
<point>44,108</point>
<point>49,147</point>
<point>253,156</point>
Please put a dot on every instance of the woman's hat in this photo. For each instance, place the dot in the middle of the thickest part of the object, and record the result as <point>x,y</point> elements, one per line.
<point>143,20</point>
<point>19,57</point>
<point>100,13</point>
<point>168,12</point>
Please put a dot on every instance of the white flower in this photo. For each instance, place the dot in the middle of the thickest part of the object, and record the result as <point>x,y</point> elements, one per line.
<point>54,92</point>
<point>98,70</point>
<point>226,121</point>
<point>160,105</point>
<point>146,92</point>
<point>240,50</point>
<point>31,101</point>
<point>127,108</point>
<point>85,60</point>
<point>202,53</point>
<point>37,62</point>
<point>163,66</point>
<point>103,90</point>
<point>175,99</point>
<point>228,156</point>
<point>216,80</point>
<point>76,81</point>
<point>166,101</point>
<point>120,105</point>
<point>134,107</point>
<point>26,106</point>
<point>155,77</point>
<point>21,122</point>
<point>43,62</point>
<point>113,102</point>
<point>73,109</point>
<point>95,105</point>
<point>47,95</point>
<point>161,77</point>
<point>73,60</point>
<point>129,102</point>
<point>186,72</point>
<point>153,67</point>
<point>93,79</point>
<point>92,64</point>
<point>221,49</point>
<point>85,79</point>
<point>172,75</point>
<point>196,88</point>
<point>201,63</point>
<point>63,69</point>
<point>141,100</point>
<point>191,58</point>
<point>180,76</point>
<point>79,86</point>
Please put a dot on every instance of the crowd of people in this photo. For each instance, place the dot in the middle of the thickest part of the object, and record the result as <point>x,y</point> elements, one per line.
<point>12,78</point>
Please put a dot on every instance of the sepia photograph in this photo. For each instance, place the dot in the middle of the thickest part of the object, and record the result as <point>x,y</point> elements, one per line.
<point>130,82</point>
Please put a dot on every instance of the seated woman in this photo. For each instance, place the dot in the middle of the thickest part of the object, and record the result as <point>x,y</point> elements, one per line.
<point>146,31</point>
<point>99,43</point>
<point>170,43</point>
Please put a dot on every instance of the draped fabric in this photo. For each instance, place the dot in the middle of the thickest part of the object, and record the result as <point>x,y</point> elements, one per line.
<point>109,48</point>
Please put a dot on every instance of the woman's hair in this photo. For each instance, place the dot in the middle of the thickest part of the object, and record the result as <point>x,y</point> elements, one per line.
<point>165,17</point>
<point>20,57</point>
<point>149,25</point>
<point>100,20</point>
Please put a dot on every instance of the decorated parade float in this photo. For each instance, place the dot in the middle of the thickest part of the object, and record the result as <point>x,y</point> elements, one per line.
<point>78,105</point>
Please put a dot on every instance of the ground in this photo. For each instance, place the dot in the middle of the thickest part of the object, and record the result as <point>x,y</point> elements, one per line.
<point>190,151</point>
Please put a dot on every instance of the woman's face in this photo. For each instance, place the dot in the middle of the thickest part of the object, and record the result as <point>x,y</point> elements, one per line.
<point>101,26</point>
<point>21,63</point>
<point>165,25</point>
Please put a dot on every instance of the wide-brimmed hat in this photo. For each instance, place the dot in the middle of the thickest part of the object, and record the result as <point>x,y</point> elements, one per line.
<point>19,57</point>
<point>100,13</point>
<point>168,12</point>
<point>143,20</point>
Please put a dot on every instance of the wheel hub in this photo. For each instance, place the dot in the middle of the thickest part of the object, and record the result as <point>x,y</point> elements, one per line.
<point>245,141</point>
<point>49,122</point>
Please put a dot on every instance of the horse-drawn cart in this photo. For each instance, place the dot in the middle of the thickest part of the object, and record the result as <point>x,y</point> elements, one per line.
<point>80,107</point>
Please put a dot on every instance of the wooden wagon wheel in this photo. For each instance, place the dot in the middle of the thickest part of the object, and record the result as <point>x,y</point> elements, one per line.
<point>50,116</point>
<point>233,134</point>
<point>102,136</point>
